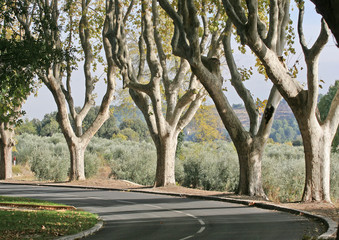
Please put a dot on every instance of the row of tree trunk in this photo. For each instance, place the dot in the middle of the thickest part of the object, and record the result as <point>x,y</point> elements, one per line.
<point>165,123</point>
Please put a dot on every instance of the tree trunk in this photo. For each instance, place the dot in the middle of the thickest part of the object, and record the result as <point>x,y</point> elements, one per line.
<point>77,154</point>
<point>317,148</point>
<point>250,181</point>
<point>5,161</point>
<point>6,144</point>
<point>165,172</point>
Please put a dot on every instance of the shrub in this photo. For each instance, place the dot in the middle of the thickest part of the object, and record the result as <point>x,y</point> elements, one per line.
<point>49,165</point>
<point>210,166</point>
<point>25,146</point>
<point>283,172</point>
<point>130,134</point>
<point>125,165</point>
<point>49,157</point>
<point>92,163</point>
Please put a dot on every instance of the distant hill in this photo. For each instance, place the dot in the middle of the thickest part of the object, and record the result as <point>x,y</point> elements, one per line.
<point>283,112</point>
<point>285,127</point>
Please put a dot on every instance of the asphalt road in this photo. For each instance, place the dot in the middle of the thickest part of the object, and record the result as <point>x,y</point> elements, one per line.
<point>140,216</point>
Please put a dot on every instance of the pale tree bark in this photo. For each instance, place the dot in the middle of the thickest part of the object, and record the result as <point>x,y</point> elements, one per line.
<point>6,144</point>
<point>164,123</point>
<point>77,140</point>
<point>249,144</point>
<point>317,135</point>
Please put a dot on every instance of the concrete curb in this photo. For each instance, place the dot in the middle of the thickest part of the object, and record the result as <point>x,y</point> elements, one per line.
<point>332,226</point>
<point>83,234</point>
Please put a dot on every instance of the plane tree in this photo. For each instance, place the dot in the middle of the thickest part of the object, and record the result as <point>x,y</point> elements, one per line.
<point>73,28</point>
<point>249,143</point>
<point>161,86</point>
<point>317,134</point>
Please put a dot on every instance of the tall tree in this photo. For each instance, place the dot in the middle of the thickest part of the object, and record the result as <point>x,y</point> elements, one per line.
<point>317,134</point>
<point>18,62</point>
<point>52,17</point>
<point>157,93</point>
<point>185,43</point>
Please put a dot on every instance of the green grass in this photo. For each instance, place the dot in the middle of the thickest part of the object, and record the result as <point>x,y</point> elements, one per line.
<point>22,200</point>
<point>42,224</point>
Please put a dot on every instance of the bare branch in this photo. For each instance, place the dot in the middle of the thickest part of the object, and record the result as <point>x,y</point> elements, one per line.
<point>284,18</point>
<point>180,46</point>
<point>192,30</point>
<point>158,42</point>
<point>142,56</point>
<point>252,25</point>
<point>322,39</point>
<point>129,10</point>
<point>302,39</point>
<point>236,13</point>
<point>268,116</point>
<point>152,59</point>
<point>237,83</point>
<point>272,36</point>
<point>84,32</point>
<point>312,58</point>
<point>205,27</point>
<point>192,109</point>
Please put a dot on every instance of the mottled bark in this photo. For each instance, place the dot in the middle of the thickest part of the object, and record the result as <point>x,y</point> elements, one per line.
<point>55,71</point>
<point>249,144</point>
<point>6,144</point>
<point>317,148</point>
<point>250,155</point>
<point>149,97</point>
<point>316,135</point>
<point>5,162</point>
<point>165,170</point>
<point>77,155</point>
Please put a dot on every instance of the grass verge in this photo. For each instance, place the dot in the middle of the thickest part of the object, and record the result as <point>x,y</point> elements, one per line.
<point>31,201</point>
<point>43,224</point>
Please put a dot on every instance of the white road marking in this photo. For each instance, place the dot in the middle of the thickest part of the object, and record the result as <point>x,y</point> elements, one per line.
<point>123,201</point>
<point>153,206</point>
<point>188,237</point>
<point>95,198</point>
<point>201,230</point>
<point>202,223</point>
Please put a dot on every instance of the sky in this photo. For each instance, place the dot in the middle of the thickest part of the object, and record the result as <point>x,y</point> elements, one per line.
<point>37,107</point>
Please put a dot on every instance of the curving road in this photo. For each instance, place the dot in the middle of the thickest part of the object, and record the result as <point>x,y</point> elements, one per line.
<point>139,216</point>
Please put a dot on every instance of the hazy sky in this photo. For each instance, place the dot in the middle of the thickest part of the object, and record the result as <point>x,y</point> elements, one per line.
<point>37,107</point>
